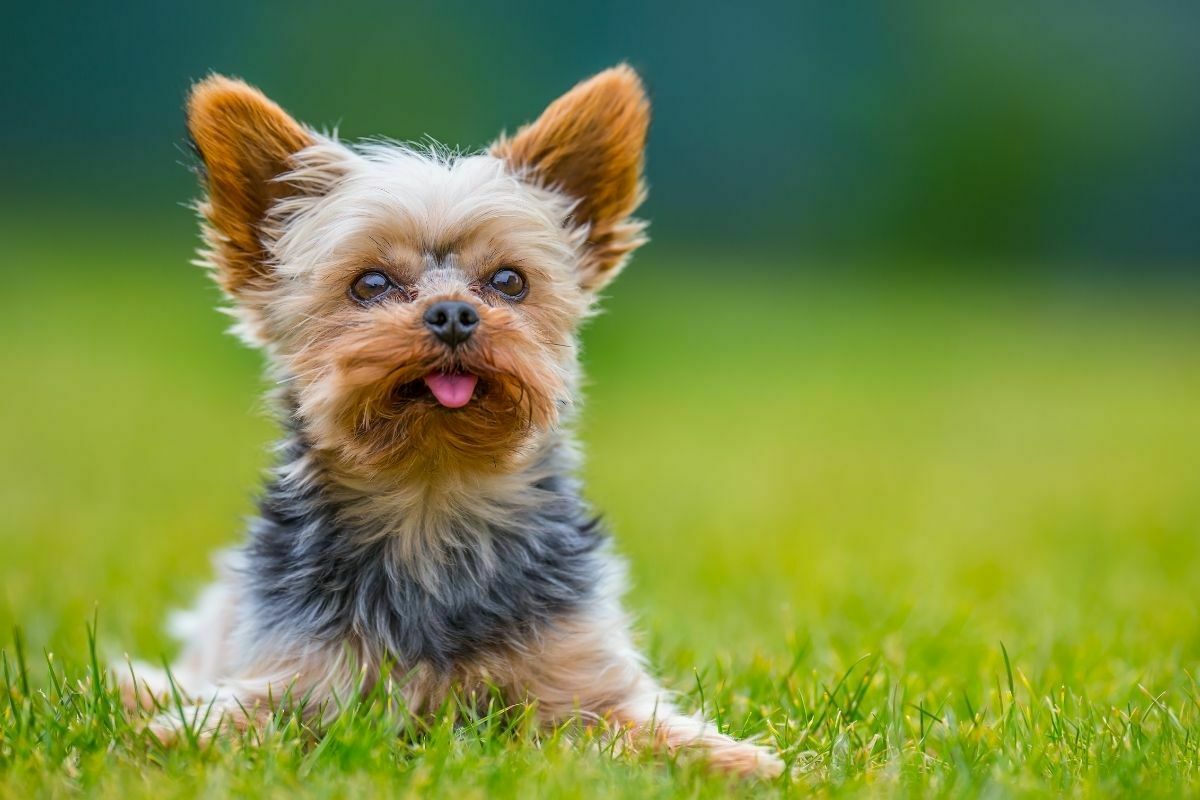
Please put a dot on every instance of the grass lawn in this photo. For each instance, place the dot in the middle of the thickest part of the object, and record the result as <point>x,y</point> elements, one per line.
<point>936,536</point>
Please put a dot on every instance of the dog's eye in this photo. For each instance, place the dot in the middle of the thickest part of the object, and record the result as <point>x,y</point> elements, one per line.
<point>509,283</point>
<point>371,286</point>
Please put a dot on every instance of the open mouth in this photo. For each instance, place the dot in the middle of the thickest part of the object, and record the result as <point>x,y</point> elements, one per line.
<point>448,389</point>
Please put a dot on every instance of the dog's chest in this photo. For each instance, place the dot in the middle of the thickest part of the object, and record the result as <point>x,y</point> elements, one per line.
<point>487,588</point>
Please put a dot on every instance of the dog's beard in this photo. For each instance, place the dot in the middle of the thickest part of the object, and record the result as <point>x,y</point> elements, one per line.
<point>373,406</point>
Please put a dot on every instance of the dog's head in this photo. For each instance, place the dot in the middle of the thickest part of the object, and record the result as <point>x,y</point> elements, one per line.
<point>421,307</point>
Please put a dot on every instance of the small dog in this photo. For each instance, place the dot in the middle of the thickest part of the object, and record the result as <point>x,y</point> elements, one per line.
<point>420,311</point>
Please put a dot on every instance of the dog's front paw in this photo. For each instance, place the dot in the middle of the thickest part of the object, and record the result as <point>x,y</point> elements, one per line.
<point>143,687</point>
<point>745,760</point>
<point>169,728</point>
<point>198,724</point>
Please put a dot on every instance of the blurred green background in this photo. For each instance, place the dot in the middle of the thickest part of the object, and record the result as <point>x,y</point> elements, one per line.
<point>1060,133</point>
<point>910,368</point>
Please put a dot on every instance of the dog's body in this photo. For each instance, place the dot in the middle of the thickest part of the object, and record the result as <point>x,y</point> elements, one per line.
<point>420,314</point>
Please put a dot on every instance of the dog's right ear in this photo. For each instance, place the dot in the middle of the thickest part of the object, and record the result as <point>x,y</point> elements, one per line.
<point>246,142</point>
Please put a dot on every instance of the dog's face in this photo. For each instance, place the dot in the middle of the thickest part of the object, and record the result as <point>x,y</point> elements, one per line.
<point>421,309</point>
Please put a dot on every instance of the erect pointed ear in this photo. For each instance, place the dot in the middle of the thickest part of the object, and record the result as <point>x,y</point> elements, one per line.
<point>245,142</point>
<point>590,145</point>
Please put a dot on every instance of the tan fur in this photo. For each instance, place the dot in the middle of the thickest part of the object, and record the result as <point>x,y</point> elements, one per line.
<point>590,144</point>
<point>590,668</point>
<point>354,413</point>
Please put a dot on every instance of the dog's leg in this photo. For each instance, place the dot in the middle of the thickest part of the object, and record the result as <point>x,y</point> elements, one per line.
<point>590,668</point>
<point>228,676</point>
<point>201,718</point>
<point>206,633</point>
<point>309,681</point>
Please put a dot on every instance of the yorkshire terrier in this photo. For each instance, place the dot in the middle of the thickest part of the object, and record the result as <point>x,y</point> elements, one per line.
<point>420,313</point>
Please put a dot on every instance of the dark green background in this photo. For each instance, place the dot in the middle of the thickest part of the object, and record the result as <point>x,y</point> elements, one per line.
<point>1039,134</point>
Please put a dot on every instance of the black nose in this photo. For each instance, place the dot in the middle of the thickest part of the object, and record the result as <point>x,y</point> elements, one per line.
<point>452,321</point>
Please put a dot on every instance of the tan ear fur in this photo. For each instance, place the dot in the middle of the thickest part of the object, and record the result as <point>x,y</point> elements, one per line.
<point>590,144</point>
<point>245,141</point>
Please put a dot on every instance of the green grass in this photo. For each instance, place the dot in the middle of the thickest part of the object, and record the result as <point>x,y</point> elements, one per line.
<point>929,536</point>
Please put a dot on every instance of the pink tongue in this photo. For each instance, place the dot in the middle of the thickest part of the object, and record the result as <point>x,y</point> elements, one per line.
<point>452,390</point>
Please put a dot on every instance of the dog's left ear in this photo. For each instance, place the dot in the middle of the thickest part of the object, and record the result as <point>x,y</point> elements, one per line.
<point>589,144</point>
<point>248,145</point>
